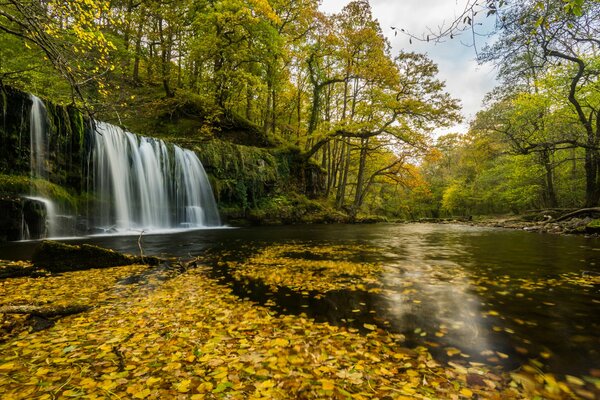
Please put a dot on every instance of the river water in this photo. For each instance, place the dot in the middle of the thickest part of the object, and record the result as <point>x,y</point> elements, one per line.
<point>494,296</point>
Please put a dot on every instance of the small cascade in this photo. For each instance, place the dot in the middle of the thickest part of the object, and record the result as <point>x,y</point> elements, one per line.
<point>144,184</point>
<point>193,194</point>
<point>38,138</point>
<point>49,228</point>
<point>39,146</point>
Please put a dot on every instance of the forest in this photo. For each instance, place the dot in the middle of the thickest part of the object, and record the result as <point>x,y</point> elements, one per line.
<point>328,87</point>
<point>258,199</point>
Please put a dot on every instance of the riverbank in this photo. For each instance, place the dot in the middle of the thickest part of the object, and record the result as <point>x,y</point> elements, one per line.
<point>571,222</point>
<point>578,225</point>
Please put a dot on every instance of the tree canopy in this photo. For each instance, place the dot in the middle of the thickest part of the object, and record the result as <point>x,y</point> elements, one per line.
<point>330,87</point>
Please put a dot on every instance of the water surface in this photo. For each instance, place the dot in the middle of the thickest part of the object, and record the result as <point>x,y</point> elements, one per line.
<point>499,297</point>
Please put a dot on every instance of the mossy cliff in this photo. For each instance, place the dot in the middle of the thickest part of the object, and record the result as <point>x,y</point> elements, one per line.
<point>253,179</point>
<point>67,127</point>
<point>65,149</point>
<point>265,185</point>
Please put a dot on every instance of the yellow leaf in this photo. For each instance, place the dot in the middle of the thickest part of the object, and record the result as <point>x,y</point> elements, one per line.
<point>142,394</point>
<point>279,342</point>
<point>87,383</point>
<point>451,351</point>
<point>269,383</point>
<point>151,381</point>
<point>42,371</point>
<point>7,366</point>
<point>327,384</point>
<point>466,392</point>
<point>574,380</point>
<point>183,386</point>
<point>370,327</point>
<point>205,387</point>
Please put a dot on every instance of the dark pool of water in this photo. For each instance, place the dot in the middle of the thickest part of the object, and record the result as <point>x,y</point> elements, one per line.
<point>498,296</point>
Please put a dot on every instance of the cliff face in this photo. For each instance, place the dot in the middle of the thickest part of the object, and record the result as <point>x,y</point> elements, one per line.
<point>67,128</point>
<point>246,180</point>
<point>22,216</point>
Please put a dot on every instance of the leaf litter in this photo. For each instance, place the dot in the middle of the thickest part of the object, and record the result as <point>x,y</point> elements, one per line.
<point>190,337</point>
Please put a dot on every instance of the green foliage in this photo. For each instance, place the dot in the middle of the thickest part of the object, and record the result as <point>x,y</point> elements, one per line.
<point>292,208</point>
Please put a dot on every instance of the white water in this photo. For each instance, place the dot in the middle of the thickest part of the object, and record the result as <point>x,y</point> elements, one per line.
<point>39,146</point>
<point>38,138</point>
<point>144,184</point>
<point>139,183</point>
<point>51,225</point>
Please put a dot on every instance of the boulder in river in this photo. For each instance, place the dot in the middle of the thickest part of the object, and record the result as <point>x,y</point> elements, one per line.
<point>59,257</point>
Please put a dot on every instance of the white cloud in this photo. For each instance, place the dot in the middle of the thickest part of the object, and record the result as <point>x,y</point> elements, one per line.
<point>465,79</point>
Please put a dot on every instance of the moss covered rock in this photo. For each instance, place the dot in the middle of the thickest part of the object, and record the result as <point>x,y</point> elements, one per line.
<point>59,257</point>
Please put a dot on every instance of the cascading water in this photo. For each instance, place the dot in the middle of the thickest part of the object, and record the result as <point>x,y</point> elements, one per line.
<point>38,138</point>
<point>38,134</point>
<point>51,216</point>
<point>135,183</point>
<point>145,184</point>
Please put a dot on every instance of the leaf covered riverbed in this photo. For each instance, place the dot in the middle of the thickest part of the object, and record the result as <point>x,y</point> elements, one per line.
<point>154,333</point>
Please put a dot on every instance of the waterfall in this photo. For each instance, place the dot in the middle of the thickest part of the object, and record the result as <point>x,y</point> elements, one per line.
<point>144,184</point>
<point>135,183</point>
<point>51,225</point>
<point>39,147</point>
<point>38,138</point>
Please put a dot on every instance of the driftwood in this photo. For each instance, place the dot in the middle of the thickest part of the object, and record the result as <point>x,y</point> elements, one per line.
<point>582,211</point>
<point>46,311</point>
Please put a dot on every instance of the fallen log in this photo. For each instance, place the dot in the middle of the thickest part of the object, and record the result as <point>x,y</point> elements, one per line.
<point>59,257</point>
<point>576,213</point>
<point>46,311</point>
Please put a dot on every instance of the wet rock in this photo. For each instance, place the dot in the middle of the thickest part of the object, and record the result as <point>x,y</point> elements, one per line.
<point>59,257</point>
<point>34,217</point>
<point>11,218</point>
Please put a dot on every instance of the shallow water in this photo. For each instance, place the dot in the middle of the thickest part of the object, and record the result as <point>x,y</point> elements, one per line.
<point>499,297</point>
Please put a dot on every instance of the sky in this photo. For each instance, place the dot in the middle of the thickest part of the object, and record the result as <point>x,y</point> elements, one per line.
<point>465,79</point>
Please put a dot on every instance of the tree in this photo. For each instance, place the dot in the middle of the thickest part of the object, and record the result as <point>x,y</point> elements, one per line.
<point>67,32</point>
<point>540,36</point>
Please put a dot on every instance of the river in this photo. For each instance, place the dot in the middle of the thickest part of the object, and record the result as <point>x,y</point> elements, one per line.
<point>499,297</point>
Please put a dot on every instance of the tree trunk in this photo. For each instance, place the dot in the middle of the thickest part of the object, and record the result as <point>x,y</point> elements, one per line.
<point>360,179</point>
<point>138,47</point>
<point>165,57</point>
<point>592,194</point>
<point>341,193</point>
<point>550,195</point>
<point>45,311</point>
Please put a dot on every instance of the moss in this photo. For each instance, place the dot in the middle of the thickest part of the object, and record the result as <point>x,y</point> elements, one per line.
<point>594,224</point>
<point>60,257</point>
<point>240,175</point>
<point>14,131</point>
<point>19,185</point>
<point>294,208</point>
